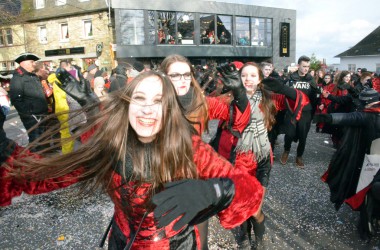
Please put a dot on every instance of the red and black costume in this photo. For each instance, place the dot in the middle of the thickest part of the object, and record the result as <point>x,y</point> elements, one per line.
<point>342,176</point>
<point>247,197</point>
<point>307,85</point>
<point>226,139</point>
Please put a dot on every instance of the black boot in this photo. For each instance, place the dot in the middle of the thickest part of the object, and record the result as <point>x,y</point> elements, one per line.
<point>241,236</point>
<point>259,230</point>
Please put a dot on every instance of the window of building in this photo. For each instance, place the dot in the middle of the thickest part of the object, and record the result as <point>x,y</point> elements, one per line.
<point>166,27</point>
<point>12,65</point>
<point>6,37</point>
<point>207,26</point>
<point>185,28</point>
<point>2,40</point>
<point>224,29</point>
<point>60,2</point>
<point>242,31</point>
<point>64,32</point>
<point>132,27</point>
<point>151,27</point>
<point>268,31</point>
<point>9,36</point>
<point>87,29</point>
<point>3,66</point>
<point>42,34</point>
<point>351,67</point>
<point>261,31</point>
<point>40,4</point>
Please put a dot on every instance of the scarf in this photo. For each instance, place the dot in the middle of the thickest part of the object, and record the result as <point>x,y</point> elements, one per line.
<point>186,99</point>
<point>255,135</point>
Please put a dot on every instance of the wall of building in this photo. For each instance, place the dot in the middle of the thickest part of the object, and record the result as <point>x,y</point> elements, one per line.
<point>102,34</point>
<point>9,53</point>
<point>371,63</point>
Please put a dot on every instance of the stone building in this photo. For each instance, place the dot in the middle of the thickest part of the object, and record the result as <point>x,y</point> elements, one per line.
<point>80,30</point>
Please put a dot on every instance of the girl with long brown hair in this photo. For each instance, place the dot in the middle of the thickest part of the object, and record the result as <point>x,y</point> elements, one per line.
<point>251,151</point>
<point>199,109</point>
<point>144,153</point>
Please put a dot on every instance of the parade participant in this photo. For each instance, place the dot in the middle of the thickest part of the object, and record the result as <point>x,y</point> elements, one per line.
<point>251,150</point>
<point>199,109</point>
<point>120,80</point>
<point>304,82</point>
<point>362,129</point>
<point>144,153</point>
<point>323,102</point>
<point>336,100</point>
<point>27,95</point>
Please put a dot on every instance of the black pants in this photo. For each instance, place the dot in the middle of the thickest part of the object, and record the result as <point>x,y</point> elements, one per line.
<point>28,123</point>
<point>302,129</point>
<point>276,129</point>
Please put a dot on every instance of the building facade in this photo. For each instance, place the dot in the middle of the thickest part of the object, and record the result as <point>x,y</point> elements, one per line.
<point>204,30</point>
<point>365,54</point>
<point>81,30</point>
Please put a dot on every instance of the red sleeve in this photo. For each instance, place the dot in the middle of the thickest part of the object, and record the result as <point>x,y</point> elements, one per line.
<point>279,101</point>
<point>376,84</point>
<point>10,187</point>
<point>220,109</point>
<point>248,191</point>
<point>301,101</point>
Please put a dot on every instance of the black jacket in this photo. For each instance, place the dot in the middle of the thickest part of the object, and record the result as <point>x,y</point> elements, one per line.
<point>119,82</point>
<point>345,166</point>
<point>307,85</point>
<point>27,95</point>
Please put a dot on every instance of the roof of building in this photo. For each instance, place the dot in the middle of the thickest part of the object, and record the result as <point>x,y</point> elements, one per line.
<point>368,46</point>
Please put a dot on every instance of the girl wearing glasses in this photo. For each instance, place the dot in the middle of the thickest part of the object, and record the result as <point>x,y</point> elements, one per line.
<point>199,109</point>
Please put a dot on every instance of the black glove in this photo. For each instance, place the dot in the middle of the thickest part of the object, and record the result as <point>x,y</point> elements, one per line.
<point>196,200</point>
<point>325,118</point>
<point>276,86</point>
<point>78,90</point>
<point>232,82</point>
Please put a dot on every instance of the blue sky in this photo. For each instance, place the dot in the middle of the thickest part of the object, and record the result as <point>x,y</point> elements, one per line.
<point>326,27</point>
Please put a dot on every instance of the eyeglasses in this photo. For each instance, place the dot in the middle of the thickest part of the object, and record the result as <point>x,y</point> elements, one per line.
<point>177,76</point>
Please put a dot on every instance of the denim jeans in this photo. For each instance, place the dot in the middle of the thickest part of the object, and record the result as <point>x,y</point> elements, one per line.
<point>6,110</point>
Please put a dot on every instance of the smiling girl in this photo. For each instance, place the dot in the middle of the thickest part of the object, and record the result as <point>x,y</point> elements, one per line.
<point>145,154</point>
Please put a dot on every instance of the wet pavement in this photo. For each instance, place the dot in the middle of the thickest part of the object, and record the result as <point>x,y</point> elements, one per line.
<point>298,212</point>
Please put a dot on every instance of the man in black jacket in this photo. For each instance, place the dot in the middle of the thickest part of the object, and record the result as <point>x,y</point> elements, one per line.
<point>27,95</point>
<point>304,82</point>
<point>121,78</point>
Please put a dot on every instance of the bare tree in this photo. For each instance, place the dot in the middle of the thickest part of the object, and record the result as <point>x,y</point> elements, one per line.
<point>14,12</point>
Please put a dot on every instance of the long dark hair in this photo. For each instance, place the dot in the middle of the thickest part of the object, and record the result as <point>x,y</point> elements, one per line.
<point>113,140</point>
<point>267,106</point>
<point>197,112</point>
